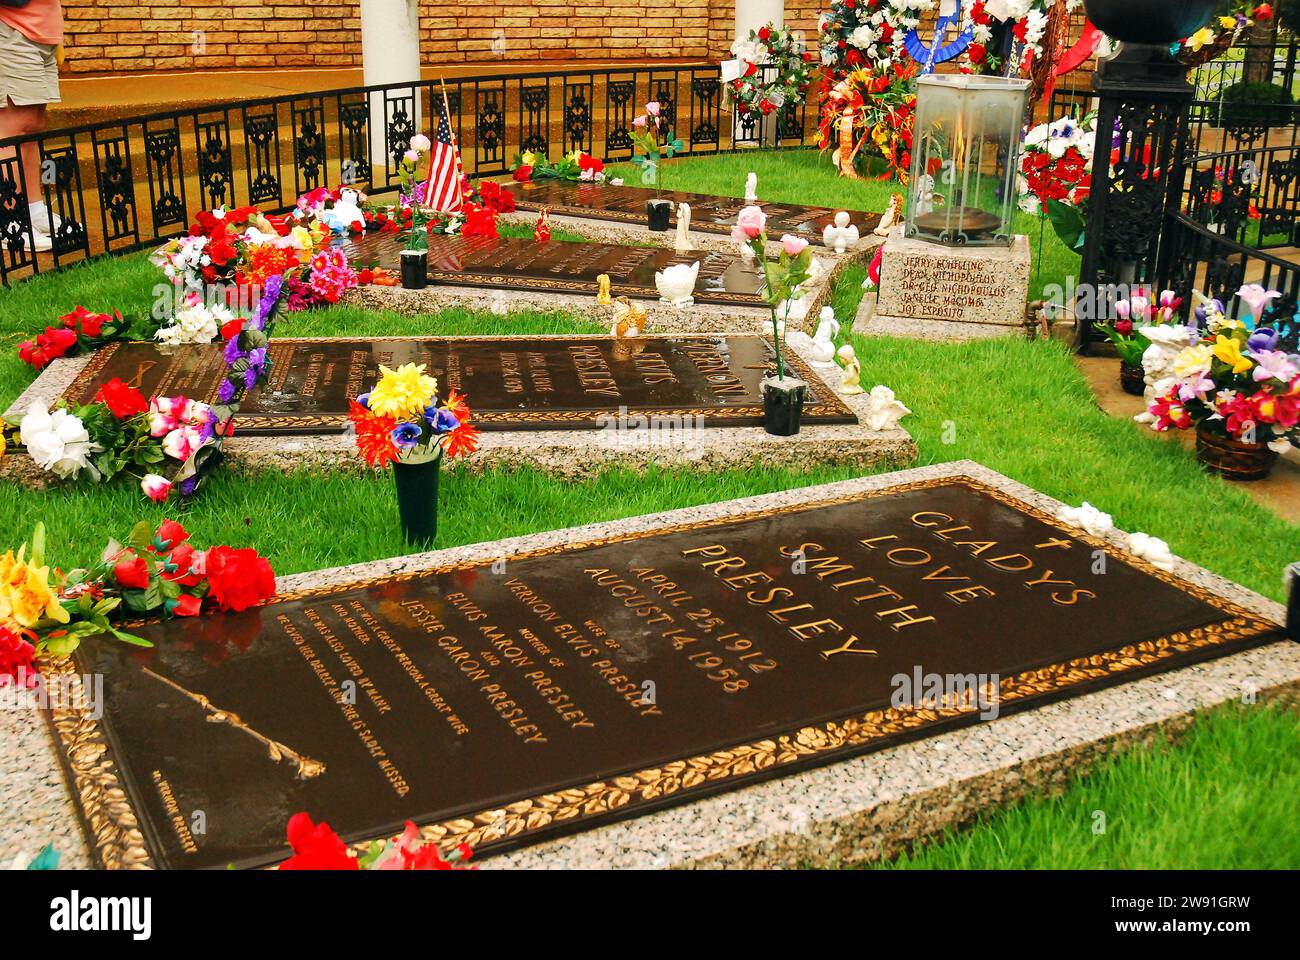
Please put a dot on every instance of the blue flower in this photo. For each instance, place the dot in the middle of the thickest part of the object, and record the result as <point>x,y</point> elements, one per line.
<point>1264,338</point>
<point>441,419</point>
<point>364,400</point>
<point>407,435</point>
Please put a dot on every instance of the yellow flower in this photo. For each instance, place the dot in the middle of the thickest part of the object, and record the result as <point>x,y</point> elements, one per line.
<point>403,393</point>
<point>529,158</point>
<point>4,444</point>
<point>1227,23</point>
<point>1228,350</point>
<point>1201,38</point>
<point>26,597</point>
<point>1193,362</point>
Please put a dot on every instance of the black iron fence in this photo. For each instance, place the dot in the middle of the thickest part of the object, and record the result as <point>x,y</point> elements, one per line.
<point>122,185</point>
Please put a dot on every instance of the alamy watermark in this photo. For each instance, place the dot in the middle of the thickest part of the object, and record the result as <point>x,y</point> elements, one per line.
<point>970,692</point>
<point>29,690</point>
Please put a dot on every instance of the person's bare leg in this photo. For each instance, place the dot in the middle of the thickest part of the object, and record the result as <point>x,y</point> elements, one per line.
<point>17,121</point>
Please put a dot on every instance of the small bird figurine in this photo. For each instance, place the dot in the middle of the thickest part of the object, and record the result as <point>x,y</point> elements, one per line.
<point>676,283</point>
<point>602,290</point>
<point>851,375</point>
<point>841,234</point>
<point>542,229</point>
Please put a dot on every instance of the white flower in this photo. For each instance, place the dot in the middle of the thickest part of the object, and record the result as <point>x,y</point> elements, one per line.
<point>195,323</point>
<point>57,442</point>
<point>863,37</point>
<point>420,143</point>
<point>1151,549</point>
<point>1007,9</point>
<point>1088,518</point>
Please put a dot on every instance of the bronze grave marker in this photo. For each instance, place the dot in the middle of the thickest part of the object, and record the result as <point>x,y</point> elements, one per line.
<point>502,703</point>
<point>512,383</point>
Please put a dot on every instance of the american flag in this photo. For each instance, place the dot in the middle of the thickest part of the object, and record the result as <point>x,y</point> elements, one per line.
<point>445,171</point>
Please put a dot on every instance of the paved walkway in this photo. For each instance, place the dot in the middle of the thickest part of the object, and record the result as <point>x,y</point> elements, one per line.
<point>91,99</point>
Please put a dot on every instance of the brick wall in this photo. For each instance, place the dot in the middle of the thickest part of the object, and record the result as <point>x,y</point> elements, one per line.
<point>130,35</point>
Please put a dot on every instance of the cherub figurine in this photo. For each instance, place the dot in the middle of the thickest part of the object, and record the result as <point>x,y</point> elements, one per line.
<point>892,216</point>
<point>629,319</point>
<point>822,352</point>
<point>840,234</point>
<point>542,229</point>
<point>602,290</point>
<point>851,375</point>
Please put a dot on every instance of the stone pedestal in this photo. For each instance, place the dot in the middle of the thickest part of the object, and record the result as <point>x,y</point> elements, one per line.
<point>935,292</point>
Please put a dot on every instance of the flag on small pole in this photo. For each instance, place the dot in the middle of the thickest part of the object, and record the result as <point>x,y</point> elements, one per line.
<point>443,191</point>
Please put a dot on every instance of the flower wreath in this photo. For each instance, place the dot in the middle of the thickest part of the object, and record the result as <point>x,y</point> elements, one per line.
<point>778,53</point>
<point>863,33</point>
<point>1029,21</point>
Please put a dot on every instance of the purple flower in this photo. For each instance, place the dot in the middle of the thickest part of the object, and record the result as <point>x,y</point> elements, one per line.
<point>441,419</point>
<point>364,400</point>
<point>232,351</point>
<point>407,435</point>
<point>226,392</point>
<point>1264,338</point>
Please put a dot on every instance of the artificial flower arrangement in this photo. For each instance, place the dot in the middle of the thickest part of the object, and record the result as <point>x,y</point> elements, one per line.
<point>1236,380</point>
<point>574,167</point>
<point>880,108</point>
<point>1055,174</point>
<point>771,70</point>
<point>476,216</point>
<point>80,331</point>
<point>155,573</point>
<point>783,279</point>
<point>167,443</point>
<point>1217,37</point>
<point>404,422</point>
<point>316,847</point>
<point>654,142</point>
<point>1133,315</point>
<point>1029,21</point>
<point>858,33</point>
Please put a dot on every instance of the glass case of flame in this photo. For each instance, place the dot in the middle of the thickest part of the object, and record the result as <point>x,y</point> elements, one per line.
<point>966,147</point>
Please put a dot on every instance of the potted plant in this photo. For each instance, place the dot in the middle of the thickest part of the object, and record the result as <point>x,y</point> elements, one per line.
<point>783,396</point>
<point>415,252</point>
<point>645,136</point>
<point>402,421</point>
<point>1238,385</point>
<point>1125,332</point>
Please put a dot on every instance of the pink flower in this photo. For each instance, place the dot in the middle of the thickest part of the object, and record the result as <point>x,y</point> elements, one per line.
<point>793,245</point>
<point>165,415</point>
<point>1256,298</point>
<point>652,108</point>
<point>181,443</point>
<point>639,122</point>
<point>156,488</point>
<point>420,143</point>
<point>750,222</point>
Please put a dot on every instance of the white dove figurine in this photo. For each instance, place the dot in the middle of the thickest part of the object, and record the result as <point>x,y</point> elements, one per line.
<point>676,284</point>
<point>682,244</point>
<point>841,234</point>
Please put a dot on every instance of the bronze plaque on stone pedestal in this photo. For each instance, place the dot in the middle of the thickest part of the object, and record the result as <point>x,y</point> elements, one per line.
<point>512,383</point>
<point>510,700</point>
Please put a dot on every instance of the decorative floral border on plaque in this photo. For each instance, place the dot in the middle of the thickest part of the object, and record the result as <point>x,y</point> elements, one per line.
<point>114,830</point>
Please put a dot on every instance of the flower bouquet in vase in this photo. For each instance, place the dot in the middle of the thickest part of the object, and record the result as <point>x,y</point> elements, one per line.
<point>415,253</point>
<point>402,421</point>
<point>783,396</point>
<point>646,138</point>
<point>1238,384</point>
<point>1132,316</point>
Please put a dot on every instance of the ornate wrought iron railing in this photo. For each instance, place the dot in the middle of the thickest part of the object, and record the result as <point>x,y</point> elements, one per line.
<point>122,185</point>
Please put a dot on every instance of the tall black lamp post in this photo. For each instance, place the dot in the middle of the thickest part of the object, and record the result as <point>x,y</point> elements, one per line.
<point>1143,99</point>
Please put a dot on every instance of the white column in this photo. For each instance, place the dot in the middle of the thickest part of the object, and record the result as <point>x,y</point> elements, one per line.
<point>752,14</point>
<point>390,53</point>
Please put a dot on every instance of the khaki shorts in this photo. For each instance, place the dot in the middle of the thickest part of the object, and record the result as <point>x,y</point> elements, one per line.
<point>29,74</point>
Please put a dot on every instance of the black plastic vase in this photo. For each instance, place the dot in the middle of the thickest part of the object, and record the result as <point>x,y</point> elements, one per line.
<point>417,500</point>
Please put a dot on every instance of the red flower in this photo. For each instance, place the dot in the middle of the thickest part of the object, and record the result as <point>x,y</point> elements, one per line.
<point>186,605</point>
<point>130,571</point>
<point>170,534</point>
<point>765,34</point>
<point>239,578</point>
<point>85,322</point>
<point>231,328</point>
<point>16,654</point>
<point>853,58</point>
<point>50,345</point>
<point>315,847</point>
<point>122,400</point>
<point>462,441</point>
<point>524,173</point>
<point>1263,12</point>
<point>977,52</point>
<point>365,275</point>
<point>179,567</point>
<point>479,221</point>
<point>588,162</point>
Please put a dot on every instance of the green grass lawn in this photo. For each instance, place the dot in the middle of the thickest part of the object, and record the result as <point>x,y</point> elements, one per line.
<point>1018,407</point>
